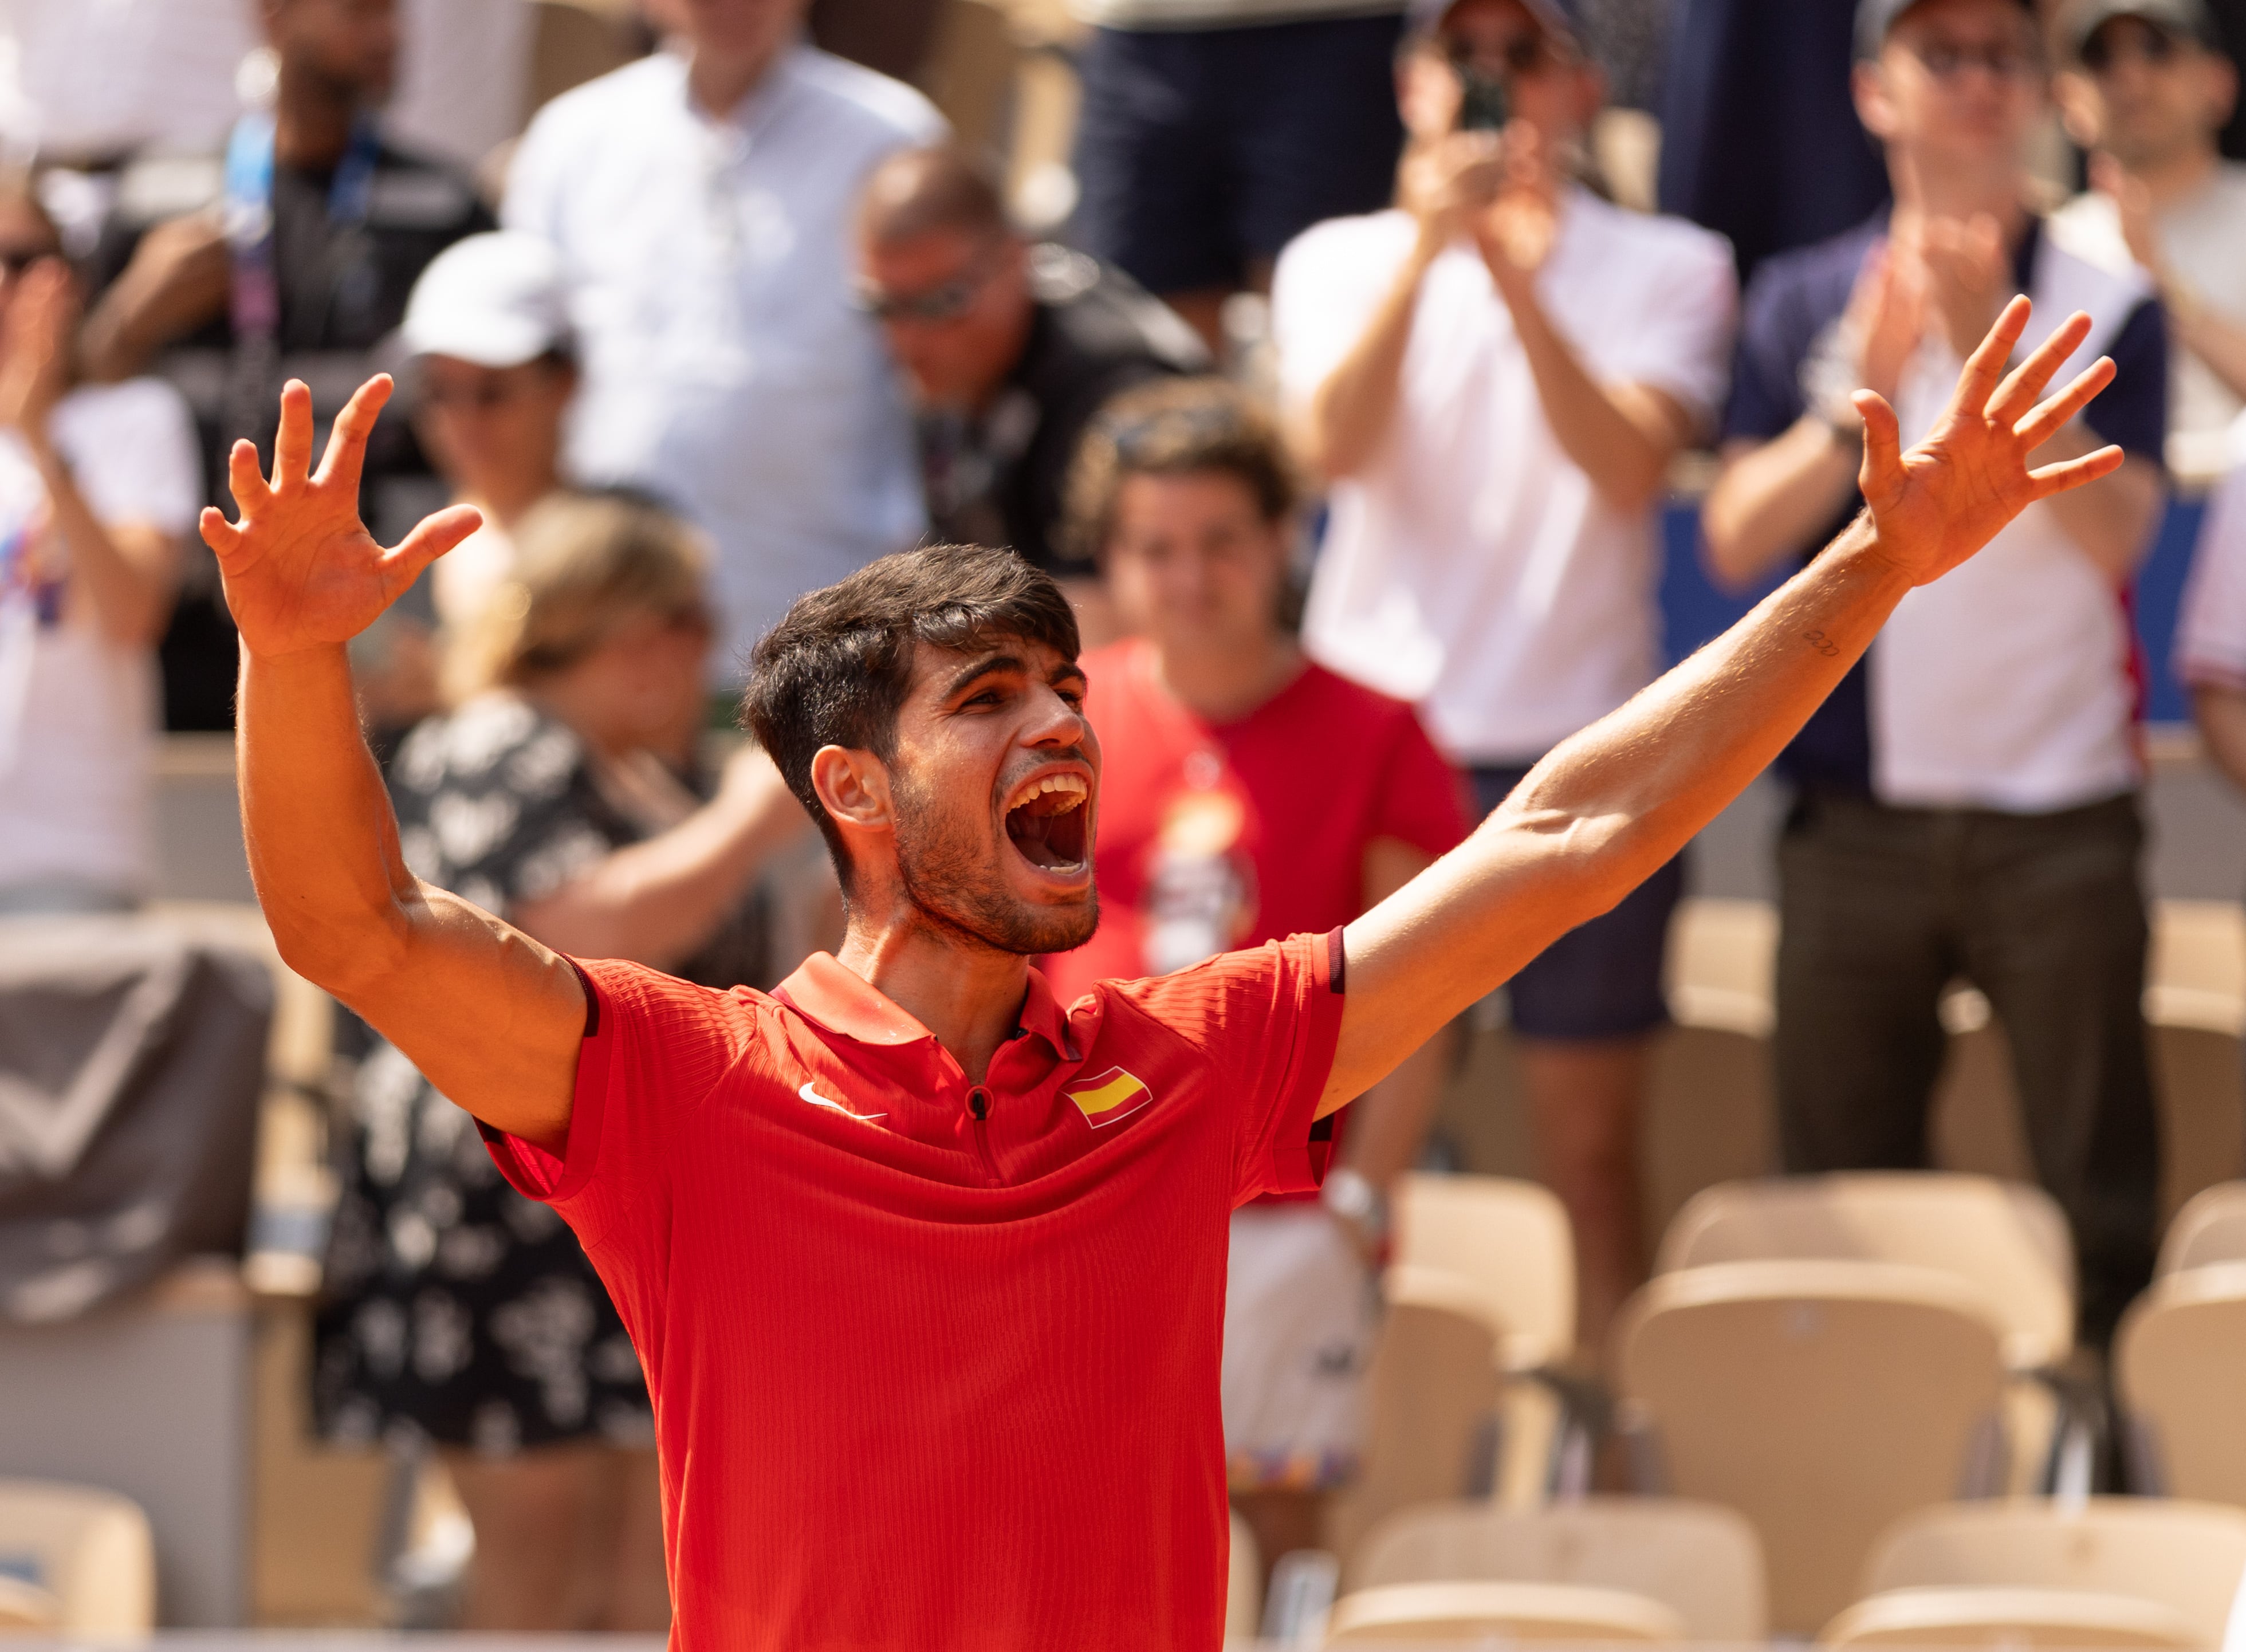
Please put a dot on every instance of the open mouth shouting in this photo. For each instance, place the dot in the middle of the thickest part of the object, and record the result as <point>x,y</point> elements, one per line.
<point>1049,825</point>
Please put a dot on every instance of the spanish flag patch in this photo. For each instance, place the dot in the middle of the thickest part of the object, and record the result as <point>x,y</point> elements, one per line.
<point>1109,1096</point>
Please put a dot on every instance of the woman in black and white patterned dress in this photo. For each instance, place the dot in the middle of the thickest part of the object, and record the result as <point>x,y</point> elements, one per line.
<point>562,794</point>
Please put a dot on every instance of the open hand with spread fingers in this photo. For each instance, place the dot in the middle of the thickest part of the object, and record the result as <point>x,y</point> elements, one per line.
<point>300,570</point>
<point>1943,499</point>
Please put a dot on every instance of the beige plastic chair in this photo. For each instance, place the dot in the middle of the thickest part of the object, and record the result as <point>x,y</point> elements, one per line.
<point>1509,1245</point>
<point>2016,1619</point>
<point>1499,1251</point>
<point>1244,1585</point>
<point>2008,1238</point>
<point>2177,1360</point>
<point>1820,1399</point>
<point>25,1606</point>
<point>89,1551</point>
<point>2186,1557</point>
<point>2210,1228</point>
<point>1481,1612</point>
<point>1431,1394</point>
<point>1699,1559</point>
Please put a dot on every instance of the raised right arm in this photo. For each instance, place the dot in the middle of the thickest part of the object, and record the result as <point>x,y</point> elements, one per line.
<point>490,1015</point>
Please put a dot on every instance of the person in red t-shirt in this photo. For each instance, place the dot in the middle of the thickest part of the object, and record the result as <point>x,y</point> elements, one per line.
<point>1247,794</point>
<point>926,1271</point>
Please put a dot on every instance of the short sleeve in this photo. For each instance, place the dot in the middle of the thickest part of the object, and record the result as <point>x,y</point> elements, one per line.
<point>2210,646</point>
<point>1327,285</point>
<point>654,1048</point>
<point>1680,343</point>
<point>2132,412</point>
<point>1776,334</point>
<point>1267,1021</point>
<point>132,451</point>
<point>1420,798</point>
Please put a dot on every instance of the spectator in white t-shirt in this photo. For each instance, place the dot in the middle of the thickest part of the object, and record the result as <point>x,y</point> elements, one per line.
<point>1495,377</point>
<point>701,201</point>
<point>2210,636</point>
<point>97,486</point>
<point>2150,91</point>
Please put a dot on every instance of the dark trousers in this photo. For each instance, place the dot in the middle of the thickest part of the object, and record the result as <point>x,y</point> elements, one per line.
<point>1881,908</point>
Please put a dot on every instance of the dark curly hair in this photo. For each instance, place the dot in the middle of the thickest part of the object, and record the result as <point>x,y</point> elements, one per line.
<point>837,668</point>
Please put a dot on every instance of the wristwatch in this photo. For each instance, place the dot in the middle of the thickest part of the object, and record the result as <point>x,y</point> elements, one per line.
<point>1353,1198</point>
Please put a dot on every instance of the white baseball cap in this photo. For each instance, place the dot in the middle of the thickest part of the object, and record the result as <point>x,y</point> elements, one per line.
<point>497,300</point>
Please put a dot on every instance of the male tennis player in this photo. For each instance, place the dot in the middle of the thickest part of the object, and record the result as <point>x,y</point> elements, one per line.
<point>926,1269</point>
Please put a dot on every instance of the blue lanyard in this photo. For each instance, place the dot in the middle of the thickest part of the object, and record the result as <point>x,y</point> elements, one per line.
<point>256,301</point>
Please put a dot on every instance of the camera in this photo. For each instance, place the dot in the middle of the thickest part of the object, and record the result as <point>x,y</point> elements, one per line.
<point>1485,102</point>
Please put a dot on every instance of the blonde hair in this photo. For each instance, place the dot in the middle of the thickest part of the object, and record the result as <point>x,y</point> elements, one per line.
<point>582,562</point>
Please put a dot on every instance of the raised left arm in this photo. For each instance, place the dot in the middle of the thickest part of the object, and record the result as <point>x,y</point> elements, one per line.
<point>1615,802</point>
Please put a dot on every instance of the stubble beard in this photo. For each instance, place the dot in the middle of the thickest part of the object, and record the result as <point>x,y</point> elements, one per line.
<point>954,883</point>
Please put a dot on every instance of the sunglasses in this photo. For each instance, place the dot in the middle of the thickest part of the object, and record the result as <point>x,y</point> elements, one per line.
<point>946,301</point>
<point>1521,56</point>
<point>1946,60</point>
<point>2153,46</point>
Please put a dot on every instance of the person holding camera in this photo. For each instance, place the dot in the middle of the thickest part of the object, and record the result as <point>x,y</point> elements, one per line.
<point>1493,378</point>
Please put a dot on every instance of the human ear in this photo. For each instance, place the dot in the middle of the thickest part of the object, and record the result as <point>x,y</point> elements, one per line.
<point>853,786</point>
<point>1873,107</point>
<point>2078,108</point>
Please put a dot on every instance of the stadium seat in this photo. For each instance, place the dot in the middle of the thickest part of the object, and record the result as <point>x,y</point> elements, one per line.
<point>2008,1238</point>
<point>1244,1585</point>
<point>84,1556</point>
<point>26,1605</point>
<point>1482,1612</point>
<point>2176,1360</point>
<point>1510,1244</point>
<point>2210,1228</point>
<point>1820,1399</point>
<point>2188,1557</point>
<point>1699,1559</point>
<point>2016,1619</point>
<point>1431,1405</point>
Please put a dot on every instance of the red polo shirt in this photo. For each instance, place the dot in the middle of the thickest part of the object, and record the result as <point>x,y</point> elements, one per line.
<point>935,1366</point>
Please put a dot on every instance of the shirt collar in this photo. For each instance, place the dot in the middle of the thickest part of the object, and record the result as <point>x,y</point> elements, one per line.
<point>837,998</point>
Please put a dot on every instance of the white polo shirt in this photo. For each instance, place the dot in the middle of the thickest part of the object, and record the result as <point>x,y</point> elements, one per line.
<point>2010,682</point>
<point>1471,566</point>
<point>724,368</point>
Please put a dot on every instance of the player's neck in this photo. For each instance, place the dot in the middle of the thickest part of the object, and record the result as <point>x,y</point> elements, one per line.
<point>1224,685</point>
<point>968,994</point>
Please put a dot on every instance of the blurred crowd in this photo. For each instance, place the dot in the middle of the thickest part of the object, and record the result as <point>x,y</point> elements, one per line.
<point>1342,400</point>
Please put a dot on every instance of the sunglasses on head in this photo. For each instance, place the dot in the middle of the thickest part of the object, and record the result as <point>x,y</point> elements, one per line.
<point>1169,430</point>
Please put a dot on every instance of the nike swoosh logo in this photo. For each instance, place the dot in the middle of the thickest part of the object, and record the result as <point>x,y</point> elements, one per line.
<point>817,1100</point>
